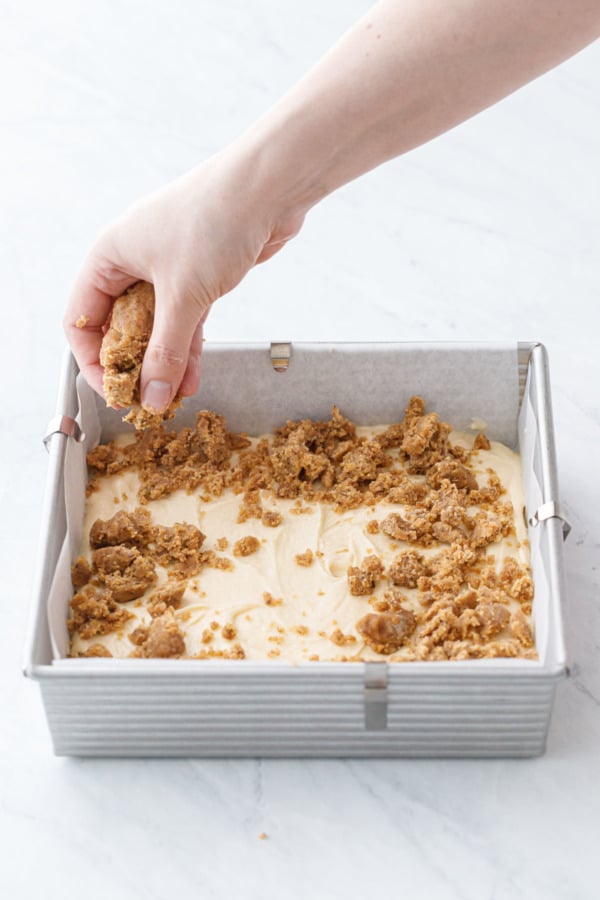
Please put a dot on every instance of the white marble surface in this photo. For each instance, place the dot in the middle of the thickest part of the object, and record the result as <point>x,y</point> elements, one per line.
<point>492,231</point>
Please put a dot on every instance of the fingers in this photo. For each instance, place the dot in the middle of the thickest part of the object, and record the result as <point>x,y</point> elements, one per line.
<point>191,378</point>
<point>172,359</point>
<point>166,358</point>
<point>86,315</point>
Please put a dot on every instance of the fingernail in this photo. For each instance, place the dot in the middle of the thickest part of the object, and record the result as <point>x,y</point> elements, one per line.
<point>156,396</point>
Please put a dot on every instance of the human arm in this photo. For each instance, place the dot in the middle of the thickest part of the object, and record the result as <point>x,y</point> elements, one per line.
<point>406,72</point>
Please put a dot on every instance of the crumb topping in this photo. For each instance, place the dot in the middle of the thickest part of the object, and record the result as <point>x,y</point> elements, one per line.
<point>386,632</point>
<point>167,596</point>
<point>80,572</point>
<point>338,637</point>
<point>271,518</point>
<point>122,353</point>
<point>481,442</point>
<point>407,568</point>
<point>246,546</point>
<point>162,638</point>
<point>363,580</point>
<point>427,588</point>
<point>178,549</point>
<point>124,571</point>
<point>95,650</point>
<point>132,529</point>
<point>305,559</point>
<point>95,612</point>
<point>229,632</point>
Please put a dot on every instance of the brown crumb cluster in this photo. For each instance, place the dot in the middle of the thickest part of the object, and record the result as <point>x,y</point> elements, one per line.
<point>178,549</point>
<point>363,579</point>
<point>122,353</point>
<point>271,518</point>
<point>442,596</point>
<point>246,546</point>
<point>94,612</point>
<point>131,529</point>
<point>229,632</point>
<point>162,638</point>
<point>124,571</point>
<point>96,650</point>
<point>387,632</point>
<point>305,559</point>
<point>338,637</point>
<point>126,550</point>
<point>165,597</point>
<point>236,651</point>
<point>407,568</point>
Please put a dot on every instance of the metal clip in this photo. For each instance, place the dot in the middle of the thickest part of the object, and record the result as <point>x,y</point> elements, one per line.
<point>63,425</point>
<point>376,696</point>
<point>280,355</point>
<point>550,510</point>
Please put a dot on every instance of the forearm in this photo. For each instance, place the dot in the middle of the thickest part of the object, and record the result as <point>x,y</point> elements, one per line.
<point>408,71</point>
<point>405,73</point>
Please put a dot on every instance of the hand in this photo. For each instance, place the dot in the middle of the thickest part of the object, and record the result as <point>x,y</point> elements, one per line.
<point>194,240</point>
<point>403,74</point>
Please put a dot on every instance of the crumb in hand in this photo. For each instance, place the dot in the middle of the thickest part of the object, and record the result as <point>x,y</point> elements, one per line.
<point>122,354</point>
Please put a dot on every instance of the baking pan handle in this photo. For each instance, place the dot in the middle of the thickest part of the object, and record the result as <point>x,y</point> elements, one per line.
<point>550,510</point>
<point>63,425</point>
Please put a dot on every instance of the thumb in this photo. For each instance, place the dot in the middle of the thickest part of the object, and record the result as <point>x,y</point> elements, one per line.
<point>166,357</point>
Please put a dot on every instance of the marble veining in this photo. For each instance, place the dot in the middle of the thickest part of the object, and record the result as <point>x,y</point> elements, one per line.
<point>490,232</point>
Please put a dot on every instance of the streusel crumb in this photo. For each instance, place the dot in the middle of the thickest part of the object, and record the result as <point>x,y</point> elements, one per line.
<point>363,580</point>
<point>162,638</point>
<point>387,632</point>
<point>122,354</point>
<point>420,553</point>
<point>305,559</point>
<point>246,546</point>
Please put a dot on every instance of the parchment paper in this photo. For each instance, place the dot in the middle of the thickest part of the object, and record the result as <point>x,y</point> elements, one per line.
<point>371,383</point>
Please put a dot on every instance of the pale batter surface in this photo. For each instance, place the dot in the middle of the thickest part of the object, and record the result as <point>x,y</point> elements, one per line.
<point>322,542</point>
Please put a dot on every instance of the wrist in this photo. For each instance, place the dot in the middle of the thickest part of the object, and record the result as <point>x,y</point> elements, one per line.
<point>284,170</point>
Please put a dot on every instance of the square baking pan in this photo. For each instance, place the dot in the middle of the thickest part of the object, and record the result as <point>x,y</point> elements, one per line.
<point>167,707</point>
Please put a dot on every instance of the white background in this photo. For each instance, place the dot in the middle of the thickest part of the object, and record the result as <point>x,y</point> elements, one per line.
<point>490,232</point>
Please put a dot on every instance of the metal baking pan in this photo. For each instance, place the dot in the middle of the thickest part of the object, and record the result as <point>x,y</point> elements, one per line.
<point>156,707</point>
